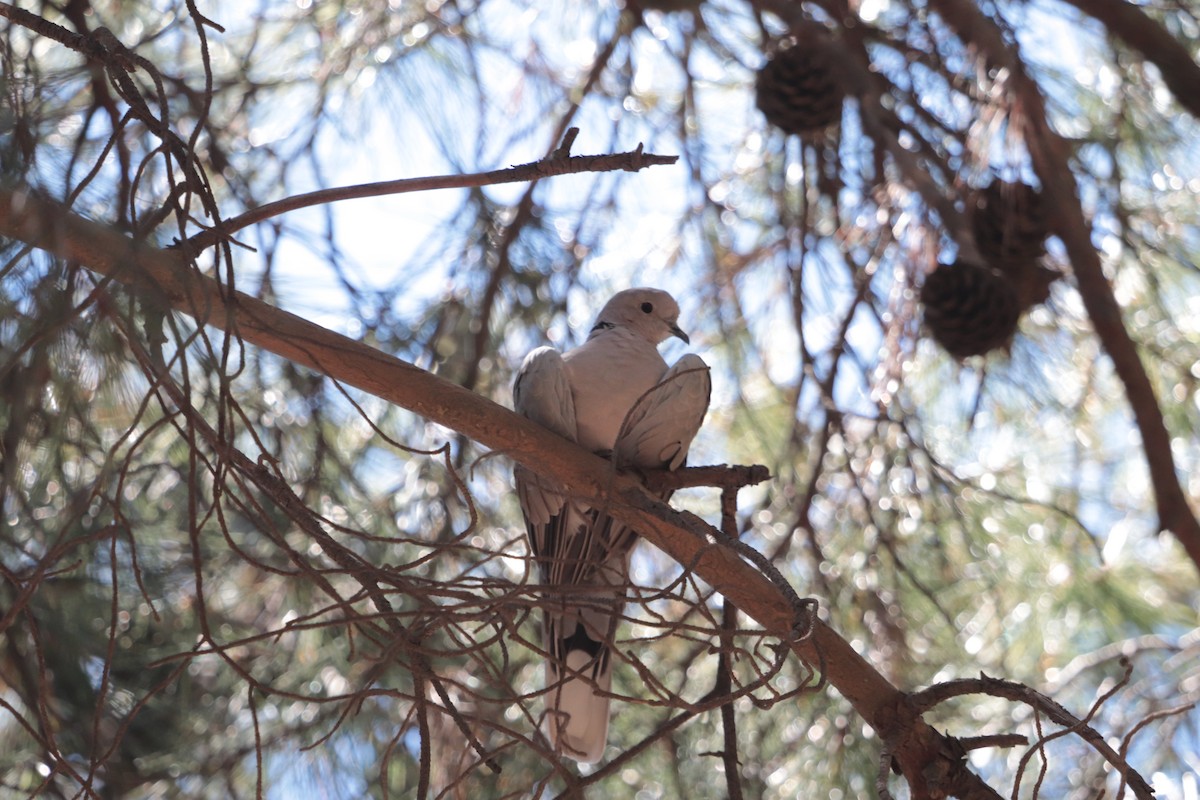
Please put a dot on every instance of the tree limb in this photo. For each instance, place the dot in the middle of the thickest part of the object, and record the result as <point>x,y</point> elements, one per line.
<point>1049,154</point>
<point>684,537</point>
<point>924,700</point>
<point>558,163</point>
<point>720,475</point>
<point>1139,30</point>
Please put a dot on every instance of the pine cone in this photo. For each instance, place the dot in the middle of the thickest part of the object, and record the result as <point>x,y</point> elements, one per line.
<point>797,90</point>
<point>969,310</point>
<point>1009,222</point>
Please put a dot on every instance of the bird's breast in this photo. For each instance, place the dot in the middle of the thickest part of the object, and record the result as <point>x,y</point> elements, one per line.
<point>605,383</point>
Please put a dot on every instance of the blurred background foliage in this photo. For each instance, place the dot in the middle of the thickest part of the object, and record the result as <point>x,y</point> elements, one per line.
<point>174,629</point>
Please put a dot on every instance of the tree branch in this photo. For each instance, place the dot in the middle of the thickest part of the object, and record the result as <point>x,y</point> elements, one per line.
<point>1139,30</point>
<point>93,47</point>
<point>920,750</point>
<point>922,701</point>
<point>1049,154</point>
<point>722,476</point>
<point>558,163</point>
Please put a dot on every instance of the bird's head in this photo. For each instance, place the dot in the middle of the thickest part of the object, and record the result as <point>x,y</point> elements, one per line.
<point>650,312</point>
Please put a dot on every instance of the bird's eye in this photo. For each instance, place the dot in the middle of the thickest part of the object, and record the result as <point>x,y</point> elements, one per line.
<point>647,308</point>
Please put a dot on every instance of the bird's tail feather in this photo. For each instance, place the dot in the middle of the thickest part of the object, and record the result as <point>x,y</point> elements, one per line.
<point>579,630</point>
<point>578,706</point>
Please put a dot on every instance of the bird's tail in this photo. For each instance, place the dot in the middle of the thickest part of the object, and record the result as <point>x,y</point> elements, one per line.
<point>579,677</point>
<point>579,663</point>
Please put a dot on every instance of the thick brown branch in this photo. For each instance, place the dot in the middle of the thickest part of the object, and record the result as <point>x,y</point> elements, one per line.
<point>1049,154</point>
<point>684,537</point>
<point>556,164</point>
<point>1141,32</point>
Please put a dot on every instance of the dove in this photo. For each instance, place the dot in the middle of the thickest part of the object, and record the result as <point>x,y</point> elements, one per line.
<point>616,396</point>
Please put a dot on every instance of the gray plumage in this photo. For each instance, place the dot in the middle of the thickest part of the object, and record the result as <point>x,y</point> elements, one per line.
<point>613,394</point>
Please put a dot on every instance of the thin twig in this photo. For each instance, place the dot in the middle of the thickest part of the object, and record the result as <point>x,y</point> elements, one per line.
<point>555,165</point>
<point>993,740</point>
<point>721,476</point>
<point>729,750</point>
<point>922,701</point>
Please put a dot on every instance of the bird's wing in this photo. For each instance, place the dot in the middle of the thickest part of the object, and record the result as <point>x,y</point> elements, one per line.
<point>542,393</point>
<point>582,598</point>
<point>659,430</point>
<point>567,539</point>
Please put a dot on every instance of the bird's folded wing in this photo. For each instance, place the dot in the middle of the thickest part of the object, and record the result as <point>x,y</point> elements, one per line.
<point>542,393</point>
<point>659,430</point>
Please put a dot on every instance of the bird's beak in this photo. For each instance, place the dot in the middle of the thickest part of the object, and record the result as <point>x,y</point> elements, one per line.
<point>677,332</point>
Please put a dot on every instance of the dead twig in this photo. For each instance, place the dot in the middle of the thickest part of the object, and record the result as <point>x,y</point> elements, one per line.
<point>536,170</point>
<point>920,702</point>
<point>721,476</point>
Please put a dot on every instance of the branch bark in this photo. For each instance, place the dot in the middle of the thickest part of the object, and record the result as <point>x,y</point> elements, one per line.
<point>1139,30</point>
<point>924,700</point>
<point>560,162</point>
<point>1049,154</point>
<point>924,755</point>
